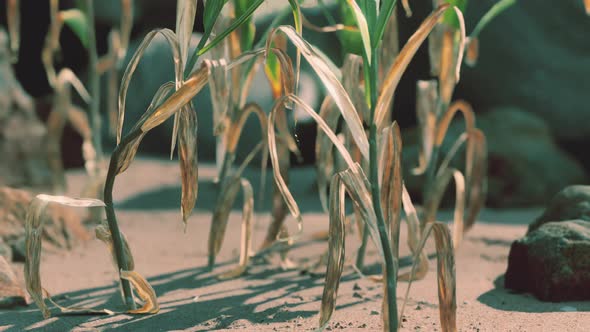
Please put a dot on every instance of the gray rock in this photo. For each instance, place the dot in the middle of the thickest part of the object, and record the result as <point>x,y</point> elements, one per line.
<point>552,262</point>
<point>571,203</point>
<point>22,135</point>
<point>525,166</point>
<point>536,56</point>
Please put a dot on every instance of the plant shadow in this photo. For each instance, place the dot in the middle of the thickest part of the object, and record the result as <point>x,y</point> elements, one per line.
<point>189,298</point>
<point>504,299</point>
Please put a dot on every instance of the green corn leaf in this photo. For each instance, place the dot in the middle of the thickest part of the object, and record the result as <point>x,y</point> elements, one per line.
<point>248,30</point>
<point>77,22</point>
<point>351,40</point>
<point>496,9</point>
<point>450,17</point>
<point>384,15</point>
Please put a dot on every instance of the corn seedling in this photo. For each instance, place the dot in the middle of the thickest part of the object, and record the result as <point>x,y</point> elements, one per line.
<point>362,161</point>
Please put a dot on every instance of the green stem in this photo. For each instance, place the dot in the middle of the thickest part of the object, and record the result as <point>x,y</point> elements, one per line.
<point>93,82</point>
<point>112,218</point>
<point>390,275</point>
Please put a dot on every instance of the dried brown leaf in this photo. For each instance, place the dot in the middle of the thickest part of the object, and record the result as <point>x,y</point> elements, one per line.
<point>394,183</point>
<point>426,114</point>
<point>414,239</point>
<point>13,23</point>
<point>323,150</point>
<point>389,46</point>
<point>336,250</point>
<point>246,243</point>
<point>220,93</point>
<point>145,292</point>
<point>401,63</point>
<point>225,199</point>
<point>130,70</point>
<point>128,152</point>
<point>274,157</point>
<point>472,51</point>
<point>187,149</point>
<point>103,233</point>
<point>125,26</point>
<point>185,20</point>
<point>332,84</point>
<point>587,6</point>
<point>443,125</point>
<point>447,299</point>
<point>181,97</point>
<point>33,231</point>
<point>475,176</point>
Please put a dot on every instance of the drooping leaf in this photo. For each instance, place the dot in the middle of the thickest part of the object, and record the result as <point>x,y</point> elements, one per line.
<point>145,292</point>
<point>127,152</point>
<point>227,195</point>
<point>33,230</point>
<point>447,298</point>
<point>246,242</point>
<point>13,23</point>
<point>77,22</point>
<point>323,150</point>
<point>335,250</point>
<point>103,233</point>
<point>332,84</point>
<point>185,19</point>
<point>426,114</point>
<point>132,66</point>
<point>401,63</point>
<point>498,8</point>
<point>187,150</point>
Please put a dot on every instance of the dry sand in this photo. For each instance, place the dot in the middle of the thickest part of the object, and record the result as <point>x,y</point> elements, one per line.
<point>268,298</point>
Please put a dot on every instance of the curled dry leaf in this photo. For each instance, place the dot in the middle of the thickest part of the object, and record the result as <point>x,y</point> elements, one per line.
<point>51,44</point>
<point>395,187</point>
<point>132,66</point>
<point>145,292</point>
<point>401,63</point>
<point>185,20</point>
<point>472,51</point>
<point>13,23</point>
<point>125,26</point>
<point>225,200</point>
<point>447,299</point>
<point>181,97</point>
<point>103,233</point>
<point>323,150</point>
<point>219,89</point>
<point>407,9</point>
<point>476,176</point>
<point>274,157</point>
<point>187,149</point>
<point>426,114</point>
<point>443,125</point>
<point>128,151</point>
<point>335,250</point>
<point>414,227</point>
<point>33,231</point>
<point>246,242</point>
<point>332,84</point>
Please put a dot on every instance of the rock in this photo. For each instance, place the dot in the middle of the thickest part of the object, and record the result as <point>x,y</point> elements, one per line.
<point>11,293</point>
<point>539,68</point>
<point>525,166</point>
<point>571,203</point>
<point>552,262</point>
<point>22,135</point>
<point>62,228</point>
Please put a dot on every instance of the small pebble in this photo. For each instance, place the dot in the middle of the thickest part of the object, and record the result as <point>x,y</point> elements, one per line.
<point>374,312</point>
<point>357,295</point>
<point>356,287</point>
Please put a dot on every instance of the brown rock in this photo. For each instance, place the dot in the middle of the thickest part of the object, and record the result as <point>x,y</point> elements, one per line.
<point>62,228</point>
<point>11,293</point>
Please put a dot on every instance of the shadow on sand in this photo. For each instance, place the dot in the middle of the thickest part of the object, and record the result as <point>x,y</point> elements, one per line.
<point>504,299</point>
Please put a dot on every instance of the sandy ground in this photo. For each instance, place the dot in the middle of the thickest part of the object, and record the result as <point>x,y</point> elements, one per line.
<point>269,298</point>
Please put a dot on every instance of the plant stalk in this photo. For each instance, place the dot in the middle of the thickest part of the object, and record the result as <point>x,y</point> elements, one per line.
<point>112,218</point>
<point>390,273</point>
<point>93,82</point>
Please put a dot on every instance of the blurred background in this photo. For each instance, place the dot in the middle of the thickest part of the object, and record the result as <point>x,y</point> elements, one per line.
<point>529,89</point>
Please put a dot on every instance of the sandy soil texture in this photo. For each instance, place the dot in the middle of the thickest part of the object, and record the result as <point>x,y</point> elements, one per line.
<point>269,298</point>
